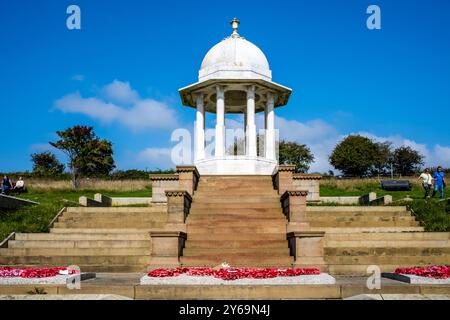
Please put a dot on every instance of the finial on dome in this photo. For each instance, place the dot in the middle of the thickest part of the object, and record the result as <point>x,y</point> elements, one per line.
<point>235,25</point>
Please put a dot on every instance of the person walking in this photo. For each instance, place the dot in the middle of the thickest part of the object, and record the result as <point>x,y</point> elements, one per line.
<point>6,185</point>
<point>427,182</point>
<point>439,183</point>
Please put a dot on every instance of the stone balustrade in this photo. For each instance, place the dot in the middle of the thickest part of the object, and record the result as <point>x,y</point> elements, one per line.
<point>186,178</point>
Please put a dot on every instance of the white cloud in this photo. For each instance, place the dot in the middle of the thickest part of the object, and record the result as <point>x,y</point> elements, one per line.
<point>120,92</point>
<point>156,158</point>
<point>120,103</point>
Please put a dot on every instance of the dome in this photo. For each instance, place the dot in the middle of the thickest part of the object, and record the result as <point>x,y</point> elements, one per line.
<point>233,58</point>
<point>235,51</point>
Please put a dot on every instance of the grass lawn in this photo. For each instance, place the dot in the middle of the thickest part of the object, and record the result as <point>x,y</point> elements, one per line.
<point>36,218</point>
<point>433,214</point>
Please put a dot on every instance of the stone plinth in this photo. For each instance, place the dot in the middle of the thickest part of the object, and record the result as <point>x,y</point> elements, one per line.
<point>188,177</point>
<point>178,206</point>
<point>161,183</point>
<point>293,204</point>
<point>307,248</point>
<point>283,178</point>
<point>167,247</point>
<point>310,182</point>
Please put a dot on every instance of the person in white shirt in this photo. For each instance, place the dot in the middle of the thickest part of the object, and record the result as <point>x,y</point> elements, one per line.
<point>20,185</point>
<point>427,182</point>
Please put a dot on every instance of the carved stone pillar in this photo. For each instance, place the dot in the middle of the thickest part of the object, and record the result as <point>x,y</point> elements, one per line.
<point>188,178</point>
<point>178,206</point>
<point>283,179</point>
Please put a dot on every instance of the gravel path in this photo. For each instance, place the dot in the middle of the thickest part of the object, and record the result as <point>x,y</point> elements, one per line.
<point>183,279</point>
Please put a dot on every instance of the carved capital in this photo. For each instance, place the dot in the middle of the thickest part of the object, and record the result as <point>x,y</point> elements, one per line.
<point>307,176</point>
<point>178,193</point>
<point>156,177</point>
<point>286,167</point>
<point>294,193</point>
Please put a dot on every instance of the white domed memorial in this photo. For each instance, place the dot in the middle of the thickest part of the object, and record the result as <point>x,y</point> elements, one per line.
<point>235,78</point>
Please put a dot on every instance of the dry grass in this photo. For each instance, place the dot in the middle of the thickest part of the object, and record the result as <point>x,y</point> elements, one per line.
<point>89,184</point>
<point>358,184</point>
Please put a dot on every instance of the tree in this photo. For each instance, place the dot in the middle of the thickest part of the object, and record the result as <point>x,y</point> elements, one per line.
<point>407,161</point>
<point>384,155</point>
<point>88,155</point>
<point>355,155</point>
<point>46,164</point>
<point>297,154</point>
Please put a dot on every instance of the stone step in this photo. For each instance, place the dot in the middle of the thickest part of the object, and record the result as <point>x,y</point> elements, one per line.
<point>266,218</point>
<point>216,212</point>
<point>258,252</point>
<point>386,243</point>
<point>232,198</point>
<point>122,210</point>
<point>257,224</point>
<point>207,191</point>
<point>367,214</point>
<point>74,260</point>
<point>82,236</point>
<point>99,230</point>
<point>386,251</point>
<point>236,236</point>
<point>390,259</point>
<point>194,229</point>
<point>238,261</point>
<point>109,225</point>
<point>79,244</point>
<point>234,205</point>
<point>360,219</point>
<point>363,224</point>
<point>75,251</point>
<point>360,209</point>
<point>367,229</point>
<point>114,215</point>
<point>210,177</point>
<point>388,236</point>
<point>235,244</point>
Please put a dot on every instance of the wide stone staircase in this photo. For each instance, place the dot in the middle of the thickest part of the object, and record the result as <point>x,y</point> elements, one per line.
<point>233,219</point>
<point>389,237</point>
<point>95,239</point>
<point>238,220</point>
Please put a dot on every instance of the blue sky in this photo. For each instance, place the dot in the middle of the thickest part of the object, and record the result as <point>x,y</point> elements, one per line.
<point>134,55</point>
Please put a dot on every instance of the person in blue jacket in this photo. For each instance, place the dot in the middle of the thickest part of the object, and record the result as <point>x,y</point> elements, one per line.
<point>439,183</point>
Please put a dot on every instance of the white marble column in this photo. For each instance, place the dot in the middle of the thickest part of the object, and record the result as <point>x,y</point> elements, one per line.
<point>220,122</point>
<point>251,127</point>
<point>200,128</point>
<point>269,116</point>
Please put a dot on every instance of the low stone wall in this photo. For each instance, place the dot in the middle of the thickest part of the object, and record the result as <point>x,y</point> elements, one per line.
<point>11,203</point>
<point>369,199</point>
<point>340,200</point>
<point>381,201</point>
<point>161,183</point>
<point>309,182</point>
<point>122,201</point>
